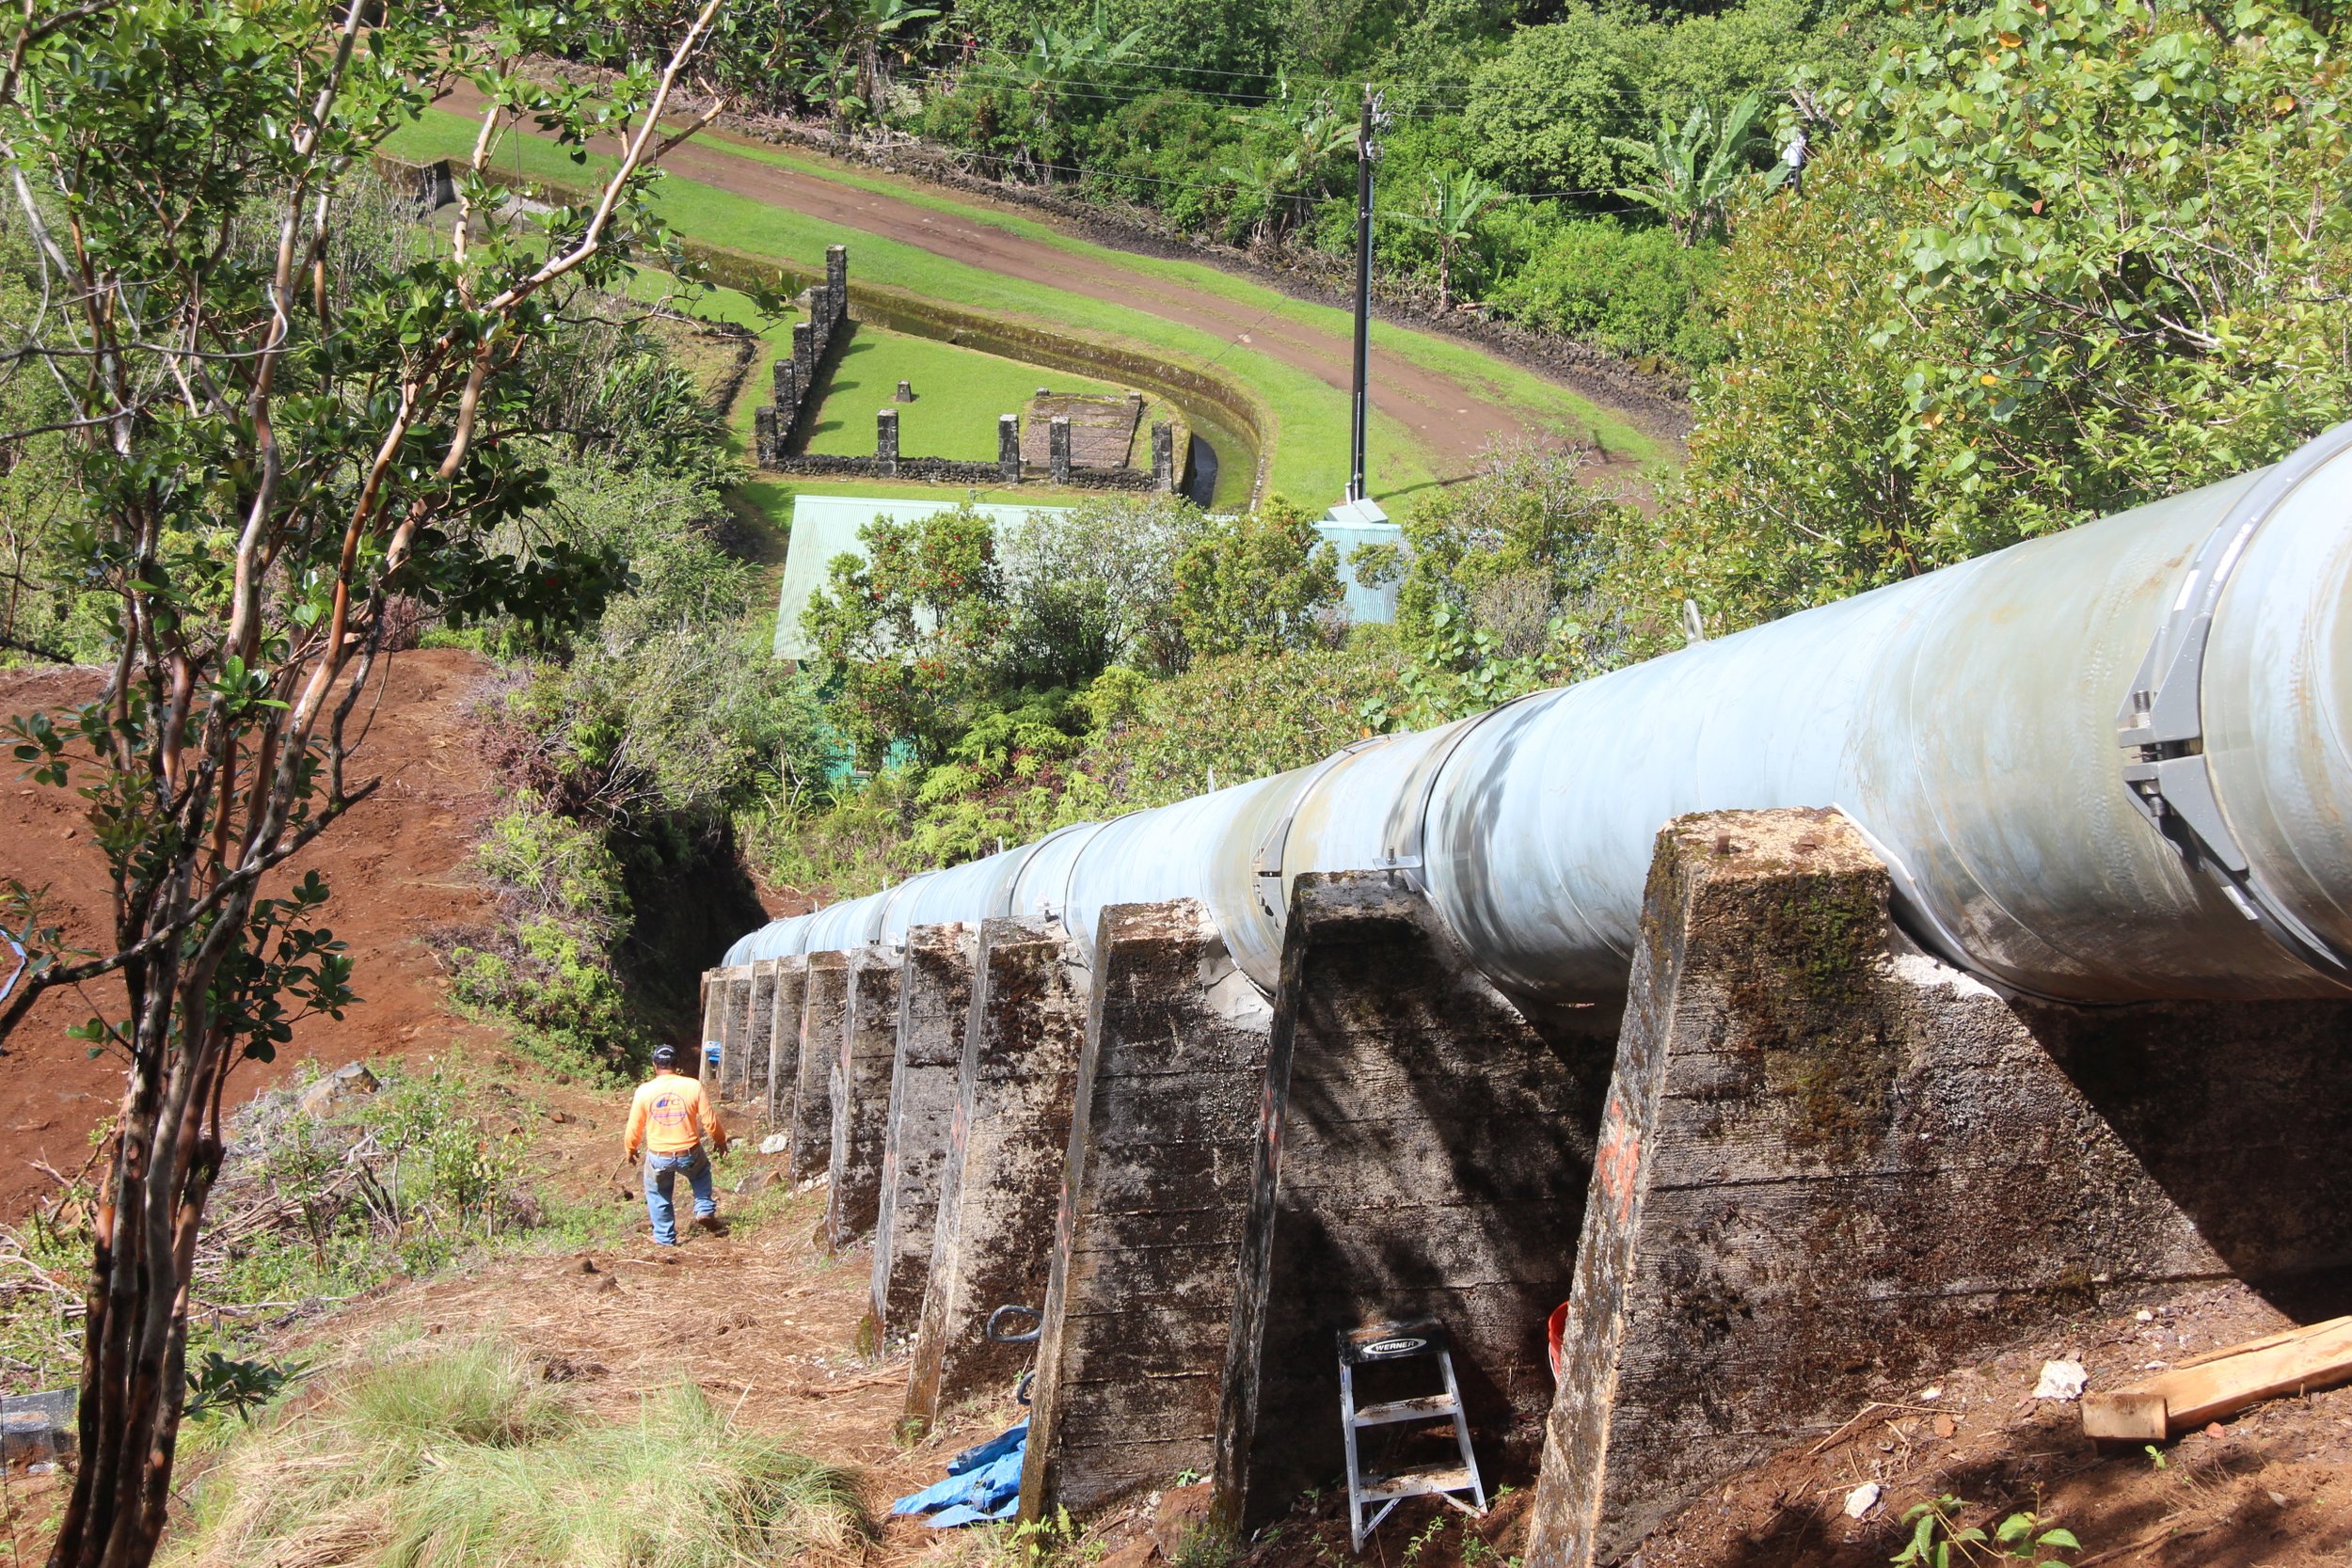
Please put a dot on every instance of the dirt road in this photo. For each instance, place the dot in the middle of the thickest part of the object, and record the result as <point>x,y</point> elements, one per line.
<point>1454,422</point>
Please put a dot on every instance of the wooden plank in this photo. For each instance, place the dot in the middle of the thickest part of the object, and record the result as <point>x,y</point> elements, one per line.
<point>2223,1383</point>
<point>2125,1417</point>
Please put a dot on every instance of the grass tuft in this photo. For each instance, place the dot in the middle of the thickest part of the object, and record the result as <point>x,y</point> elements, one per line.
<point>459,1453</point>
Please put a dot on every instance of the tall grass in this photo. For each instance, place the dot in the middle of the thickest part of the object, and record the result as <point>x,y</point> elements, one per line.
<point>461,1454</point>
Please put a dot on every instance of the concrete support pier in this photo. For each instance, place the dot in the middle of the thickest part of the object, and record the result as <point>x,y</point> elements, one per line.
<point>747,1070</point>
<point>861,1095</point>
<point>734,1026</point>
<point>935,1005</point>
<point>1830,1168</point>
<point>992,1241</point>
<point>824,1004</point>
<point>1162,1140</point>
<point>785,999</point>
<point>1426,1154</point>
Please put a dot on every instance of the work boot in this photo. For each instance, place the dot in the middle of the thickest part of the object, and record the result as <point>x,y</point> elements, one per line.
<point>710,1223</point>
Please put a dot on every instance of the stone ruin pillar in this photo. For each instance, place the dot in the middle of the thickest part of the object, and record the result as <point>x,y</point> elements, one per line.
<point>1057,448</point>
<point>837,284</point>
<point>1009,448</point>
<point>886,440</point>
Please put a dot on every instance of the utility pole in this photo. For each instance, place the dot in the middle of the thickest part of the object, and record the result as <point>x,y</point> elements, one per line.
<point>1367,155</point>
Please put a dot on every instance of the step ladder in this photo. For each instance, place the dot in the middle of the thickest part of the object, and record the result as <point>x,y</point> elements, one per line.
<point>1450,1481</point>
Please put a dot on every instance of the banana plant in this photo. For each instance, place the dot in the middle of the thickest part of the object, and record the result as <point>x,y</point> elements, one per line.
<point>1691,171</point>
<point>1449,210</point>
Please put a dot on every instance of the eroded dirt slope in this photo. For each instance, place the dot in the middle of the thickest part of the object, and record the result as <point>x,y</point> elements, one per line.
<point>397,868</point>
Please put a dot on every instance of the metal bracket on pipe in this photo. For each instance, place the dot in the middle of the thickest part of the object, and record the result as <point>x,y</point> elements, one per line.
<point>2161,724</point>
<point>1409,840</point>
<point>1265,865</point>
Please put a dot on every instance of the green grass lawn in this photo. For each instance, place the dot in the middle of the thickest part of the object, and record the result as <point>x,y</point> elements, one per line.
<point>1546,401</point>
<point>959,394</point>
<point>1310,455</point>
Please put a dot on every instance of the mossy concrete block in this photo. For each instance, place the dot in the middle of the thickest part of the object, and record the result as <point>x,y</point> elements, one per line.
<point>786,997</point>
<point>1830,1168</point>
<point>824,1004</point>
<point>861,1095</point>
<point>1426,1154</point>
<point>934,1006</point>
<point>1147,1243</point>
<point>992,1241</point>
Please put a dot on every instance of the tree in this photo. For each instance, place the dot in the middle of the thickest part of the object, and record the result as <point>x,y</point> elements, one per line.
<point>271,434</point>
<point>912,631</point>
<point>1449,210</point>
<point>1258,584</point>
<point>2060,262</point>
<point>1063,61</point>
<point>1540,114</point>
<point>869,33</point>
<point>1691,171</point>
<point>1095,586</point>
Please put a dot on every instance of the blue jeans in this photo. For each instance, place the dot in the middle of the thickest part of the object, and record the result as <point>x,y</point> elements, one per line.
<point>661,1175</point>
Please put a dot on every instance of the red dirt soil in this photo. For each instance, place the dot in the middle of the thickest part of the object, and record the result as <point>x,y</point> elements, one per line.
<point>397,868</point>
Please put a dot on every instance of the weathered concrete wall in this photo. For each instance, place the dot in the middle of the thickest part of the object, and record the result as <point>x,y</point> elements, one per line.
<point>1147,1242</point>
<point>1426,1154</point>
<point>735,1022</point>
<point>2242,1113</point>
<point>747,1073</point>
<point>1829,1166</point>
<point>786,997</point>
<point>934,1006</point>
<point>861,1095</point>
<point>824,1007</point>
<point>714,994</point>
<point>992,1241</point>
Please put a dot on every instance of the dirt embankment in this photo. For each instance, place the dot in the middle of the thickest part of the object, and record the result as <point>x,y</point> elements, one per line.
<point>397,868</point>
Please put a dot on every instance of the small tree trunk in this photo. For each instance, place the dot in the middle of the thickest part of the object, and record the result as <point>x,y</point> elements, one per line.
<point>1445,278</point>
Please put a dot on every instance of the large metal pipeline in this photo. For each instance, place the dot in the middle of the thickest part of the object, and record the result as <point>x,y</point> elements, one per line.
<point>2105,765</point>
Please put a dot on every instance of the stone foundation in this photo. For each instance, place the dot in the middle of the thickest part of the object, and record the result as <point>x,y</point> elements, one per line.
<point>1426,1151</point>
<point>1139,1305</point>
<point>934,1006</point>
<point>992,1239</point>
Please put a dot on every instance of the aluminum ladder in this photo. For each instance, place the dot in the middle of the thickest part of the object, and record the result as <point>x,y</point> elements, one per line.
<point>1395,1343</point>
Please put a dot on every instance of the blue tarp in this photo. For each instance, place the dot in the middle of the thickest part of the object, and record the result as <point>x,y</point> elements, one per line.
<point>983,1484</point>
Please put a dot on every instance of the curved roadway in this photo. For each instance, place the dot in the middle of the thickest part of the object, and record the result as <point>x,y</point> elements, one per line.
<point>1453,421</point>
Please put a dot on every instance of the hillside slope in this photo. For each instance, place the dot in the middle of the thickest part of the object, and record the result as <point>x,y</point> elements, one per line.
<point>397,868</point>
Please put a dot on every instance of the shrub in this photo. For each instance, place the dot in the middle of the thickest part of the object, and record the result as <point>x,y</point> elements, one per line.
<point>1632,291</point>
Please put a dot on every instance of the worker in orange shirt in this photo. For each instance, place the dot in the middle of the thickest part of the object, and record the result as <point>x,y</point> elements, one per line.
<point>668,1120</point>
